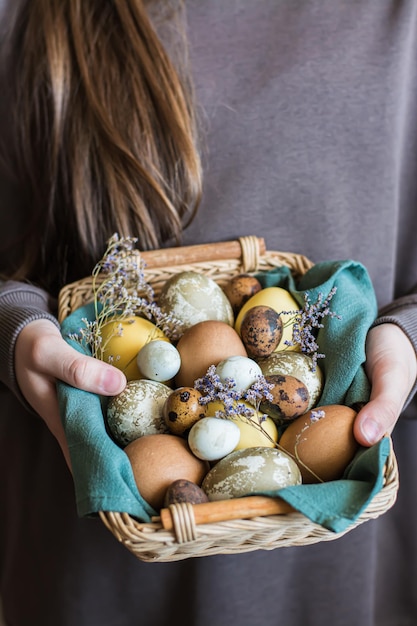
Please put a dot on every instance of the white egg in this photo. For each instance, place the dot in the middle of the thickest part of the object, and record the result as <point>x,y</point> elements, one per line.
<point>242,369</point>
<point>212,438</point>
<point>159,360</point>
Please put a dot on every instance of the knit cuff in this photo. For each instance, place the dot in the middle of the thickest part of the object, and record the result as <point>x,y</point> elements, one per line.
<point>19,305</point>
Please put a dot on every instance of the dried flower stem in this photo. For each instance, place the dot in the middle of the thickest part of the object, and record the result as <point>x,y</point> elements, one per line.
<point>306,323</point>
<point>213,389</point>
<point>120,293</point>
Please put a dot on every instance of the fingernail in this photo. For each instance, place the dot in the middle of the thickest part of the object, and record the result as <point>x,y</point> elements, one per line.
<point>371,430</point>
<point>112,382</point>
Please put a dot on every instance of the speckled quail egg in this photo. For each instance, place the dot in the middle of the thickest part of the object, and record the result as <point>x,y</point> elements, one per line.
<point>283,303</point>
<point>290,398</point>
<point>261,330</point>
<point>240,288</point>
<point>300,366</point>
<point>182,409</point>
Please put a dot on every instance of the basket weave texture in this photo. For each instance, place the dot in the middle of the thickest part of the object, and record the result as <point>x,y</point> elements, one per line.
<point>151,541</point>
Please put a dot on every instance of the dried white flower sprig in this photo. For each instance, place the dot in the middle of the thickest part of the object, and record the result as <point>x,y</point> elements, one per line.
<point>214,389</point>
<point>307,321</point>
<point>120,292</point>
<point>237,403</point>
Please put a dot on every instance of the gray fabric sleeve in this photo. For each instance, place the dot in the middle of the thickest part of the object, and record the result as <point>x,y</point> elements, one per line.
<point>20,304</point>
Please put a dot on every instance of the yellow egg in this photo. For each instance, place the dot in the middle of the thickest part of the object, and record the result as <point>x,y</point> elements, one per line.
<point>280,300</point>
<point>251,435</point>
<point>122,341</point>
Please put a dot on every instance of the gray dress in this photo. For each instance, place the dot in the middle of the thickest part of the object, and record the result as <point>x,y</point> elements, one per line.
<point>310,118</point>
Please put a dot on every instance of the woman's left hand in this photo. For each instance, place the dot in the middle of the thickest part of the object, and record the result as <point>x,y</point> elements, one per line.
<point>391,366</point>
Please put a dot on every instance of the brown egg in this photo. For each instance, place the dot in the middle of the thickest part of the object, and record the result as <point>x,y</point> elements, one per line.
<point>290,398</point>
<point>240,288</point>
<point>182,409</point>
<point>261,331</point>
<point>184,491</point>
<point>204,344</point>
<point>322,441</point>
<point>158,460</point>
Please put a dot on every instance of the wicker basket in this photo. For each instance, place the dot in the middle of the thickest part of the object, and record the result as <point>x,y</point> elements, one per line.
<point>179,532</point>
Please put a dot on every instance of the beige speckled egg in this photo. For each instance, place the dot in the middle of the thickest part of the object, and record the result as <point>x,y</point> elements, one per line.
<point>192,298</point>
<point>261,331</point>
<point>137,410</point>
<point>300,366</point>
<point>182,409</point>
<point>239,289</point>
<point>290,398</point>
<point>250,471</point>
<point>324,441</point>
<point>158,460</point>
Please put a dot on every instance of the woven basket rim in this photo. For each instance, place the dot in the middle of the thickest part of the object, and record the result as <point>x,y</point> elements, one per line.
<point>150,541</point>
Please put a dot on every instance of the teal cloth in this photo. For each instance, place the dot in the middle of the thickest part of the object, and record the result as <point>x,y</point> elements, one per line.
<point>342,341</point>
<point>103,476</point>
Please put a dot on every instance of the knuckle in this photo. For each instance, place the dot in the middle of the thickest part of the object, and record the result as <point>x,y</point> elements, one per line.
<point>77,371</point>
<point>39,349</point>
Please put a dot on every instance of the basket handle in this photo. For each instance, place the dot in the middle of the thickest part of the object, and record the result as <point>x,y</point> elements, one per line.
<point>248,249</point>
<point>183,517</point>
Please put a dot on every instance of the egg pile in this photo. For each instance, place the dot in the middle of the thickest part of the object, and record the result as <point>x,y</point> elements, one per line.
<point>181,447</point>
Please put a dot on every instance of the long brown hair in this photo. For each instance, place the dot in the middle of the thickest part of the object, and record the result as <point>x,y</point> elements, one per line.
<point>105,133</point>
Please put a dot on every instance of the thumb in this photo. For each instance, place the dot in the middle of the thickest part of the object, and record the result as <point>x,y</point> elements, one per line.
<point>53,357</point>
<point>85,372</point>
<point>391,367</point>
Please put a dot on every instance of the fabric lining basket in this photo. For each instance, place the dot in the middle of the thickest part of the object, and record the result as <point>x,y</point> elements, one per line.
<point>183,537</point>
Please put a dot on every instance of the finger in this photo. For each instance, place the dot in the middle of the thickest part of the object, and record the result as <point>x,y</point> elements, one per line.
<point>90,374</point>
<point>374,421</point>
<point>58,360</point>
<point>389,393</point>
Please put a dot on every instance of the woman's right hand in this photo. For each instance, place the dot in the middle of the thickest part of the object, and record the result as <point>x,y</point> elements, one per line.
<point>42,357</point>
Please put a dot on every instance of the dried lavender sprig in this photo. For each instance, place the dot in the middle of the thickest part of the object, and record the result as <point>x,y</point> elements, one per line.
<point>307,320</point>
<point>213,389</point>
<point>122,294</point>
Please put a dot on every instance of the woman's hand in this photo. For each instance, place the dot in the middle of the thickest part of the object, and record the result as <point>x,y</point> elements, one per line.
<point>42,357</point>
<point>391,366</point>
